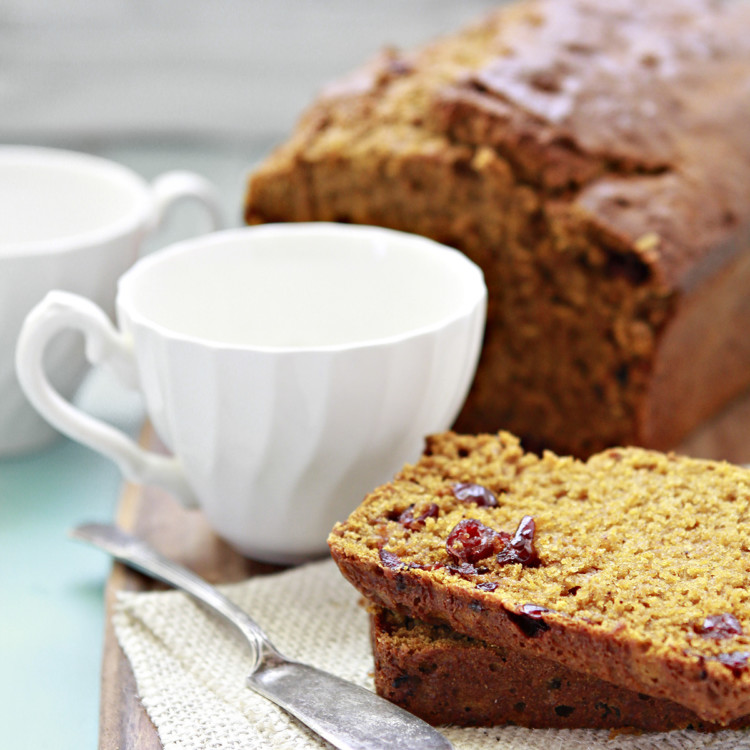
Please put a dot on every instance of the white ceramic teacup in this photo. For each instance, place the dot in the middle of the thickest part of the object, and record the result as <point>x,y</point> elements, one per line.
<point>76,222</point>
<point>288,368</point>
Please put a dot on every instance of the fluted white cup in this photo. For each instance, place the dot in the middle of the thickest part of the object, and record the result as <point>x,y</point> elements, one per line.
<point>76,222</point>
<point>289,369</point>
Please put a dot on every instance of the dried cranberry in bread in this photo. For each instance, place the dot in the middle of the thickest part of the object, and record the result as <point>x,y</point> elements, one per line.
<point>594,159</point>
<point>632,567</point>
<point>447,678</point>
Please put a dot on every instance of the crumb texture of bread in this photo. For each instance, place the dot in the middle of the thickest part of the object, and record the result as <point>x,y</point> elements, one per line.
<point>446,678</point>
<point>593,158</point>
<point>637,574</point>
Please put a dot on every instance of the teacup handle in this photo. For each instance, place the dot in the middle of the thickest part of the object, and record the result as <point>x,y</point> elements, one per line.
<point>171,187</point>
<point>105,345</point>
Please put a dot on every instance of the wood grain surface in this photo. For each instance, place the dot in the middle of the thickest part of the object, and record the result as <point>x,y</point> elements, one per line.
<point>185,537</point>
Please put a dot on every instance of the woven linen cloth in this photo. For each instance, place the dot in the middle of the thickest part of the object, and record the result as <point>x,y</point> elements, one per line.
<point>190,669</point>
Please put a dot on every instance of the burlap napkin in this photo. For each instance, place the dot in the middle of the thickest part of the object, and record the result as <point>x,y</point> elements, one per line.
<point>190,670</point>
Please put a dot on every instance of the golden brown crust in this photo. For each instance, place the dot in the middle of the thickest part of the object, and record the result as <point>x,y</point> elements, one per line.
<point>637,549</point>
<point>635,102</point>
<point>593,159</point>
<point>447,678</point>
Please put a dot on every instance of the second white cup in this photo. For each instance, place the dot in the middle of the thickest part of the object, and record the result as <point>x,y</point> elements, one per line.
<point>76,222</point>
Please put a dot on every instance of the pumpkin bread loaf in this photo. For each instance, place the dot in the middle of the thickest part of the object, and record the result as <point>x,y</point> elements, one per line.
<point>594,159</point>
<point>631,567</point>
<point>446,678</point>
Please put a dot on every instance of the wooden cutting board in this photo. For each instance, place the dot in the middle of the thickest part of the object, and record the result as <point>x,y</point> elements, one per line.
<point>185,537</point>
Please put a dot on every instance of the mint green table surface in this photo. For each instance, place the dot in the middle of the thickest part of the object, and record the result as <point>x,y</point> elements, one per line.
<point>51,617</point>
<point>51,588</point>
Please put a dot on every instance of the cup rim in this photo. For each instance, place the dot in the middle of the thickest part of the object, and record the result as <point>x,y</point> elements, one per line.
<point>107,168</point>
<point>476,298</point>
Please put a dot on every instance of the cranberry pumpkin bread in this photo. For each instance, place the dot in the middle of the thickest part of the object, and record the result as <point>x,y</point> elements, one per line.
<point>594,159</point>
<point>446,678</point>
<point>632,567</point>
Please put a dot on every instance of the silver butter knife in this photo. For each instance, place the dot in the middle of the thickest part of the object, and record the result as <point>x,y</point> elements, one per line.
<point>348,716</point>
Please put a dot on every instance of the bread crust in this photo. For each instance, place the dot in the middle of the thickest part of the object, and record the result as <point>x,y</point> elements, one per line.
<point>446,678</point>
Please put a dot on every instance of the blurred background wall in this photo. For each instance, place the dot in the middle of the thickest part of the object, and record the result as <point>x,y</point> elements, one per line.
<point>92,71</point>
